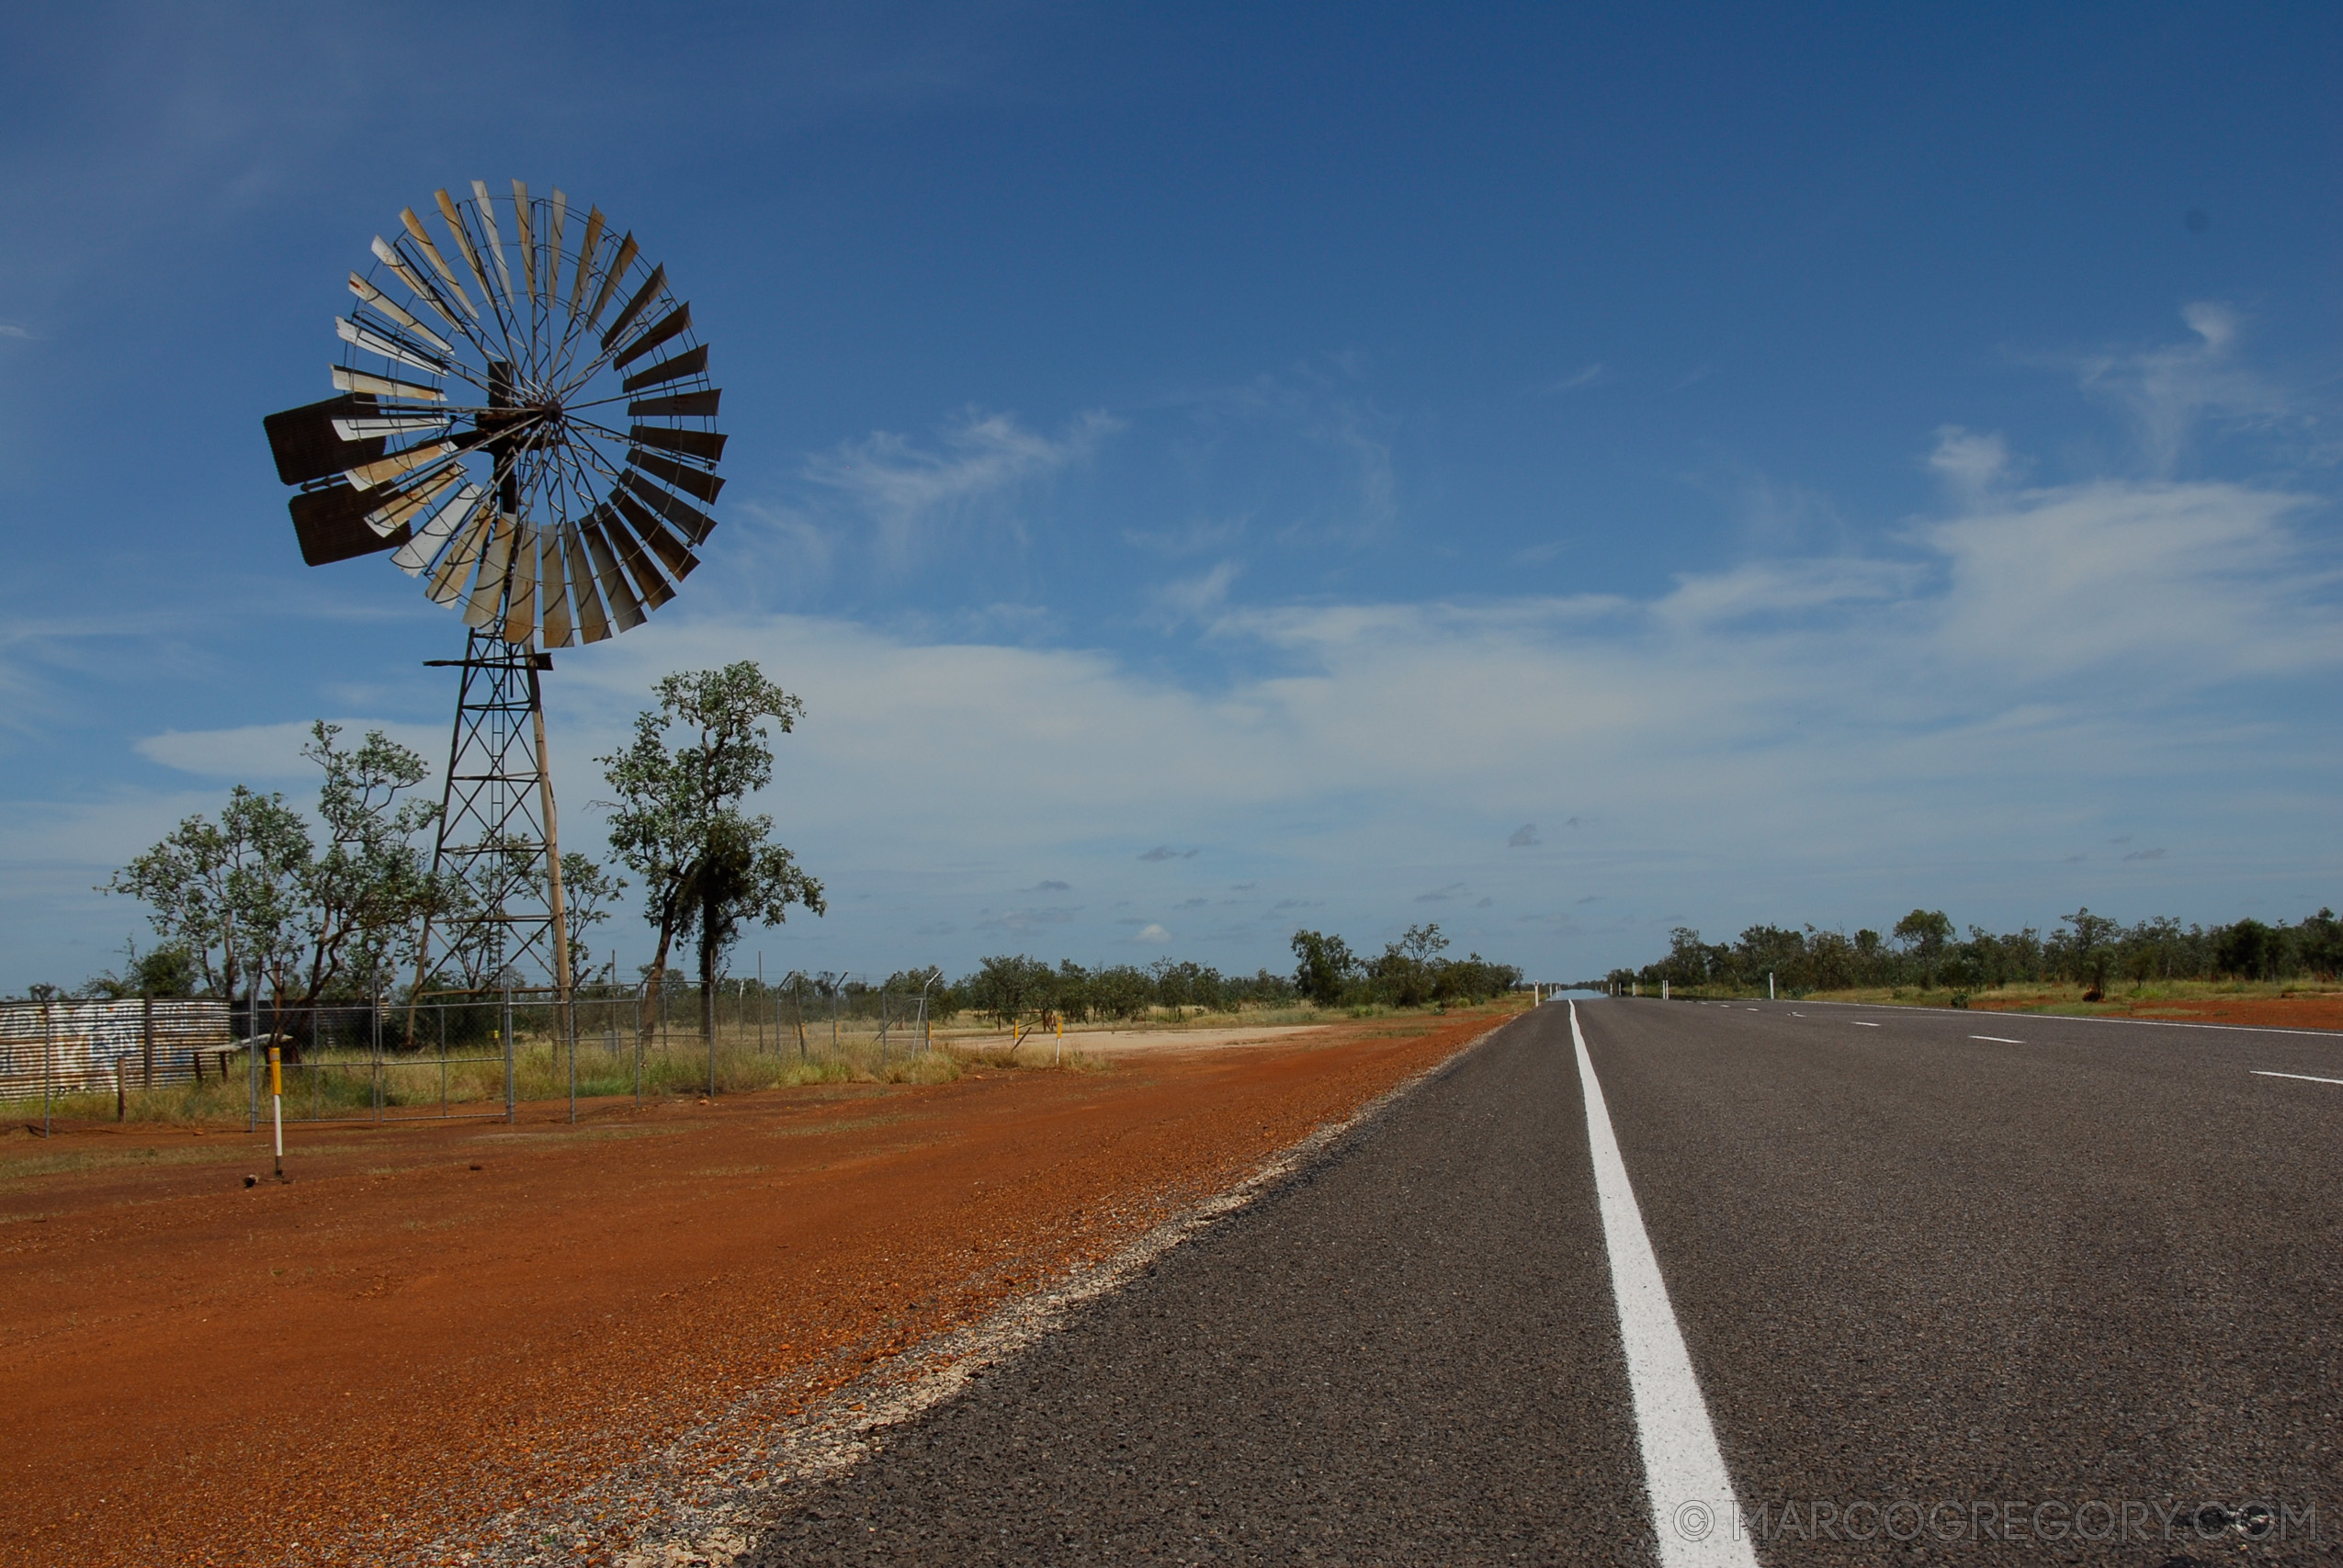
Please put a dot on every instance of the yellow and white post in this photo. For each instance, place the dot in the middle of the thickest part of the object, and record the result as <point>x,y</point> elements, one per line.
<point>277,1101</point>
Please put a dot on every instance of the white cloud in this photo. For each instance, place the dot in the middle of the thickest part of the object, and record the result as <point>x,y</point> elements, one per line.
<point>270,753</point>
<point>1154,935</point>
<point>2169,390</point>
<point>1972,466</point>
<point>908,493</point>
<point>1194,598</point>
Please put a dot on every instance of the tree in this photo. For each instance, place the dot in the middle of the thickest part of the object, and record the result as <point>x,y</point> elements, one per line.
<point>585,888</point>
<point>2088,951</point>
<point>1924,934</point>
<point>1324,968</point>
<point>707,866</point>
<point>1011,987</point>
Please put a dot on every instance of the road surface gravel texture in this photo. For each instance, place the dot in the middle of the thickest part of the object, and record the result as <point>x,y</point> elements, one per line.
<point>2069,1295</point>
<point>452,1333</point>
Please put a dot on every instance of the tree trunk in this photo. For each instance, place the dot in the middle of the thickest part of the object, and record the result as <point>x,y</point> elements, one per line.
<point>649,1023</point>
<point>707,971</point>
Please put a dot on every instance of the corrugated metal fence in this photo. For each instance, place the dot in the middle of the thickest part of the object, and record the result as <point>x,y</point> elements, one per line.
<point>73,1046</point>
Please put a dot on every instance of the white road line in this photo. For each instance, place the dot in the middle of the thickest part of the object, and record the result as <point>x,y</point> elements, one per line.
<point>1997,1039</point>
<point>1693,1507</point>
<point>1860,1023</point>
<point>2304,1077</point>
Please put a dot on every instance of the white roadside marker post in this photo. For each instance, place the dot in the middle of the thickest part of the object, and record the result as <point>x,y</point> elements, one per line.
<point>1769,985</point>
<point>277,1101</point>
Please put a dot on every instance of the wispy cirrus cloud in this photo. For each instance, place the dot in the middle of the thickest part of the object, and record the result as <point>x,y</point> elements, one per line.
<point>2170,390</point>
<point>908,493</point>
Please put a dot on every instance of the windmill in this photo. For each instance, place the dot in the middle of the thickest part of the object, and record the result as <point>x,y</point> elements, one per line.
<point>523,417</point>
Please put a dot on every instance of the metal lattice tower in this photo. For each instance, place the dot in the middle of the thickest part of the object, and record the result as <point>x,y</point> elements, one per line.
<point>499,836</point>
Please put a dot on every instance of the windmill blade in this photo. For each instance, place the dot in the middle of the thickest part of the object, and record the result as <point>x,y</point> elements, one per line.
<point>690,481</point>
<point>520,601</point>
<point>650,289</point>
<point>439,263</point>
<point>455,222</point>
<point>309,444</point>
<point>705,444</point>
<point>397,512</point>
<point>678,405</point>
<point>555,618</point>
<point>618,266</point>
<point>349,331</point>
<point>331,525</point>
<point>671,554</point>
<point>375,300</point>
<point>678,319</point>
<point>553,247</point>
<point>416,553</point>
<point>348,381</point>
<point>382,470</point>
<point>592,625</point>
<point>495,239</point>
<point>488,589</point>
<point>654,588</point>
<point>585,258</point>
<point>527,239</point>
<point>689,520</point>
<point>413,279</point>
<point>692,362</point>
<point>374,429</point>
<point>447,580</point>
<point>624,607</point>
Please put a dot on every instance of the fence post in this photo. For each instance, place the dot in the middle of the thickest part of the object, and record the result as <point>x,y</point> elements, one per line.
<point>511,1114</point>
<point>48,1038</point>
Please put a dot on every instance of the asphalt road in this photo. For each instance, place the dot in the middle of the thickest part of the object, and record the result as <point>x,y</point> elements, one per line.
<point>2039,1298</point>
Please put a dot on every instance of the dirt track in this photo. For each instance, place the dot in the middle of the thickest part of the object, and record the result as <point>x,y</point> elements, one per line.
<point>438,1322</point>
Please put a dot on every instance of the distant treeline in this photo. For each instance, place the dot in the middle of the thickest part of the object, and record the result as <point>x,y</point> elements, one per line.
<point>1410,973</point>
<point>1923,950</point>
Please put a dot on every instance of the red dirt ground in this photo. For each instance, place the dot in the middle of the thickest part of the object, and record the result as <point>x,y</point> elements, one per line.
<point>2316,1011</point>
<point>437,1321</point>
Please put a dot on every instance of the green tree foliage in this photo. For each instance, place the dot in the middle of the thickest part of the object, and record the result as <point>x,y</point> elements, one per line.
<point>1324,968</point>
<point>2085,948</point>
<point>709,867</point>
<point>250,900</point>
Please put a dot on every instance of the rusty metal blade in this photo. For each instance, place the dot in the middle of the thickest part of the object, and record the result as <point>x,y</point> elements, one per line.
<point>348,381</point>
<point>448,579</point>
<point>386,345</point>
<point>365,429</point>
<point>654,588</point>
<point>680,405</point>
<point>487,601</point>
<point>495,239</point>
<point>690,481</point>
<point>552,592</point>
<point>678,560</point>
<point>618,266</point>
<point>423,291</point>
<point>688,520</point>
<point>525,236</point>
<point>416,553</point>
<point>463,241</point>
<point>375,300</point>
<point>652,287</point>
<point>309,444</point>
<point>382,470</point>
<point>438,261</point>
<point>705,444</point>
<point>678,319</point>
<point>692,362</point>
<point>625,609</point>
<point>553,248</point>
<point>592,625</point>
<point>585,258</point>
<point>396,512</point>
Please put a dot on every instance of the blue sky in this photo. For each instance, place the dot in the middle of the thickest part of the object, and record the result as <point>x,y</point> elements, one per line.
<point>1560,475</point>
